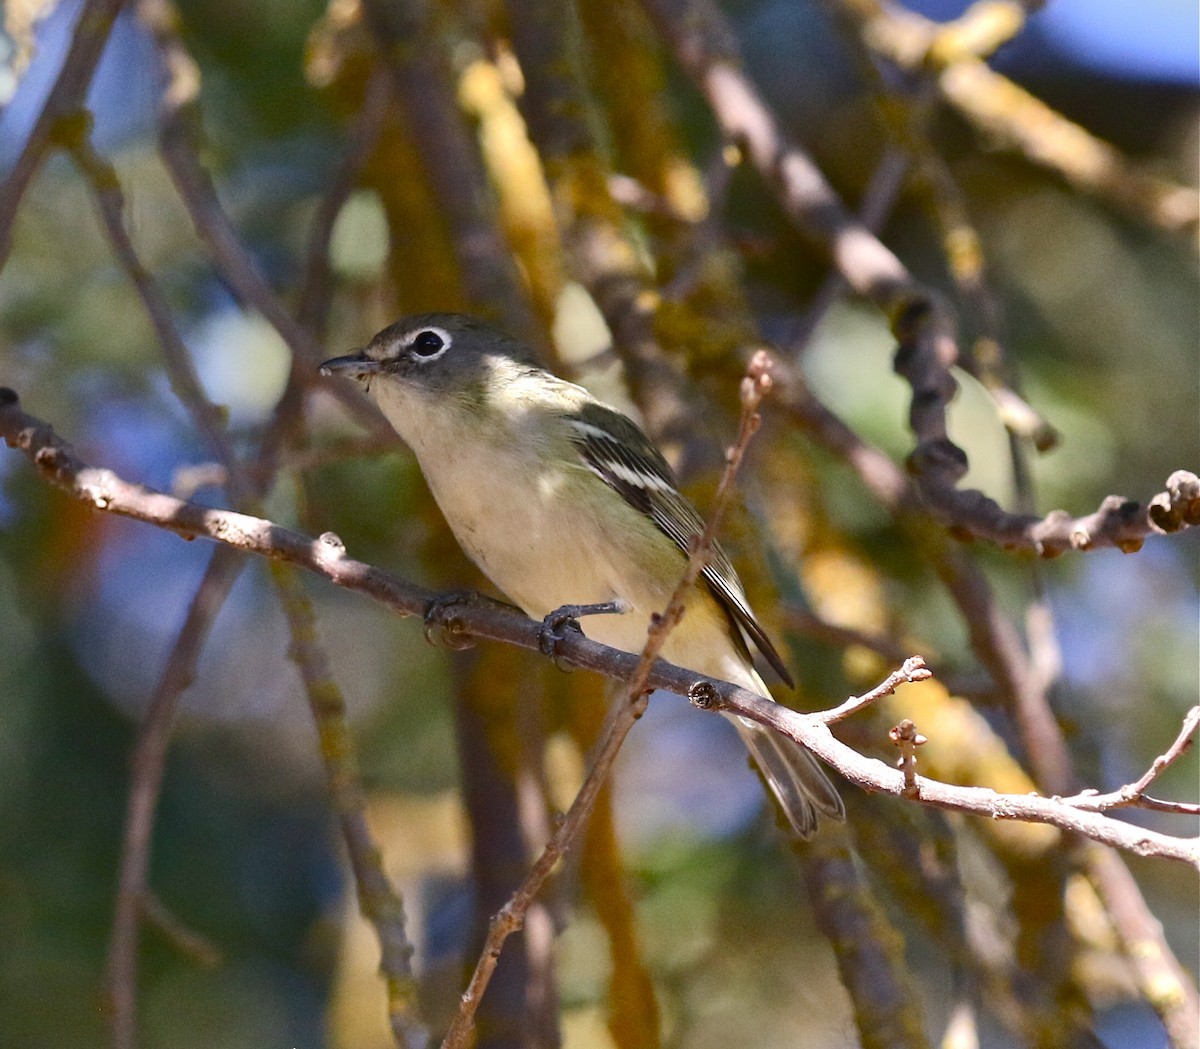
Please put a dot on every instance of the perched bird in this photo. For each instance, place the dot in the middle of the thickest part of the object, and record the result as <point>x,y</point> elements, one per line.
<point>562,500</point>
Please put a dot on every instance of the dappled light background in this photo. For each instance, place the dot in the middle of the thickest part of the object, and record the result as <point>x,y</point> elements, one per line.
<point>1099,314</point>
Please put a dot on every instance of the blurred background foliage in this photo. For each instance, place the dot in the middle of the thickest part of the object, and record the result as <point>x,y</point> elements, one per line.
<point>1099,314</point>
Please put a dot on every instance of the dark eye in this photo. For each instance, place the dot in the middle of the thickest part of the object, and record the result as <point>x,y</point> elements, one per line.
<point>427,344</point>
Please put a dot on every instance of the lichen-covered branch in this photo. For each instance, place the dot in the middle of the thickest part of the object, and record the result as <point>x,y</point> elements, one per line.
<point>378,900</point>
<point>600,252</point>
<point>1007,113</point>
<point>412,54</point>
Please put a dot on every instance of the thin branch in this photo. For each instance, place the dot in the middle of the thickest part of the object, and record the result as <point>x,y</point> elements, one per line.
<point>146,770</point>
<point>998,649</point>
<point>906,737</point>
<point>187,941</point>
<point>1174,808</point>
<point>883,190</point>
<point>326,556</point>
<point>627,710</point>
<point>1135,793</point>
<point>907,115</point>
<point>705,46</point>
<point>923,356</point>
<point>982,29</point>
<point>65,101</point>
<point>511,916</point>
<point>913,669</point>
<point>185,382</point>
<point>1166,985</point>
<point>1119,523</point>
<point>1009,114</point>
<point>873,775</point>
<point>413,54</point>
<point>179,129</point>
<point>378,900</point>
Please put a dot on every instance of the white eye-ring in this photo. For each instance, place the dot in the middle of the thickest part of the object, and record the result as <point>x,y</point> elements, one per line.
<point>429,344</point>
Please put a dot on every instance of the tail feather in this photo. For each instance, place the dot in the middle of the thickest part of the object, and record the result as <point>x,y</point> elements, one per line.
<point>795,778</point>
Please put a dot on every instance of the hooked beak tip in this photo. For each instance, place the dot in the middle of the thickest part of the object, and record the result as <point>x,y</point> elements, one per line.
<point>352,365</point>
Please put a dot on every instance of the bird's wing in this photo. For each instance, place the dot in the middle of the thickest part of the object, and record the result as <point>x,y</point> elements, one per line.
<point>614,449</point>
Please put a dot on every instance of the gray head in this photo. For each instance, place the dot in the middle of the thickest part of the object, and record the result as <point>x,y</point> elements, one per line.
<point>442,353</point>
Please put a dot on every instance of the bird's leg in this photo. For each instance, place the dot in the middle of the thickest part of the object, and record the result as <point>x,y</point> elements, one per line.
<point>566,617</point>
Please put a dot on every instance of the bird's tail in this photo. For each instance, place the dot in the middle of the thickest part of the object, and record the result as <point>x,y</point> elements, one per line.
<point>793,775</point>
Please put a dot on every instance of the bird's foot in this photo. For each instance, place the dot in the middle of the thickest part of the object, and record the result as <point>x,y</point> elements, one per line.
<point>442,627</point>
<point>565,618</point>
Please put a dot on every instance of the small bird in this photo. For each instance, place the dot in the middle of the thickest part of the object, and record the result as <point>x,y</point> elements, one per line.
<point>561,501</point>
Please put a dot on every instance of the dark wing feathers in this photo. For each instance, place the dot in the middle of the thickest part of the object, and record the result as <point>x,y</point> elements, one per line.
<point>619,453</point>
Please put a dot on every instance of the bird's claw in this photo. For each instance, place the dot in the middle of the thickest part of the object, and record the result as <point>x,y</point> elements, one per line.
<point>442,627</point>
<point>554,631</point>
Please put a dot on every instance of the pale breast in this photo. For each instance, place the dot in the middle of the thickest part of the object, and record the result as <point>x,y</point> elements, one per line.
<point>518,523</point>
<point>548,532</point>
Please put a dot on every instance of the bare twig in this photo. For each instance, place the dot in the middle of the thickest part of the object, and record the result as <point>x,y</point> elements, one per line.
<point>1118,523</point>
<point>185,383</point>
<point>913,670</point>
<point>1135,793</point>
<point>511,916</point>
<point>64,101</point>
<point>381,905</point>
<point>880,196</point>
<point>981,29</point>
<point>907,116</point>
<point>907,738</point>
<point>326,556</point>
<point>1174,808</point>
<point>1165,984</point>
<point>149,753</point>
<point>187,941</point>
<point>873,775</point>
<point>628,709</point>
<point>923,356</point>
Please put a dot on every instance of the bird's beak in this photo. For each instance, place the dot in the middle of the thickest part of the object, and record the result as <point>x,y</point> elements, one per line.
<point>353,366</point>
